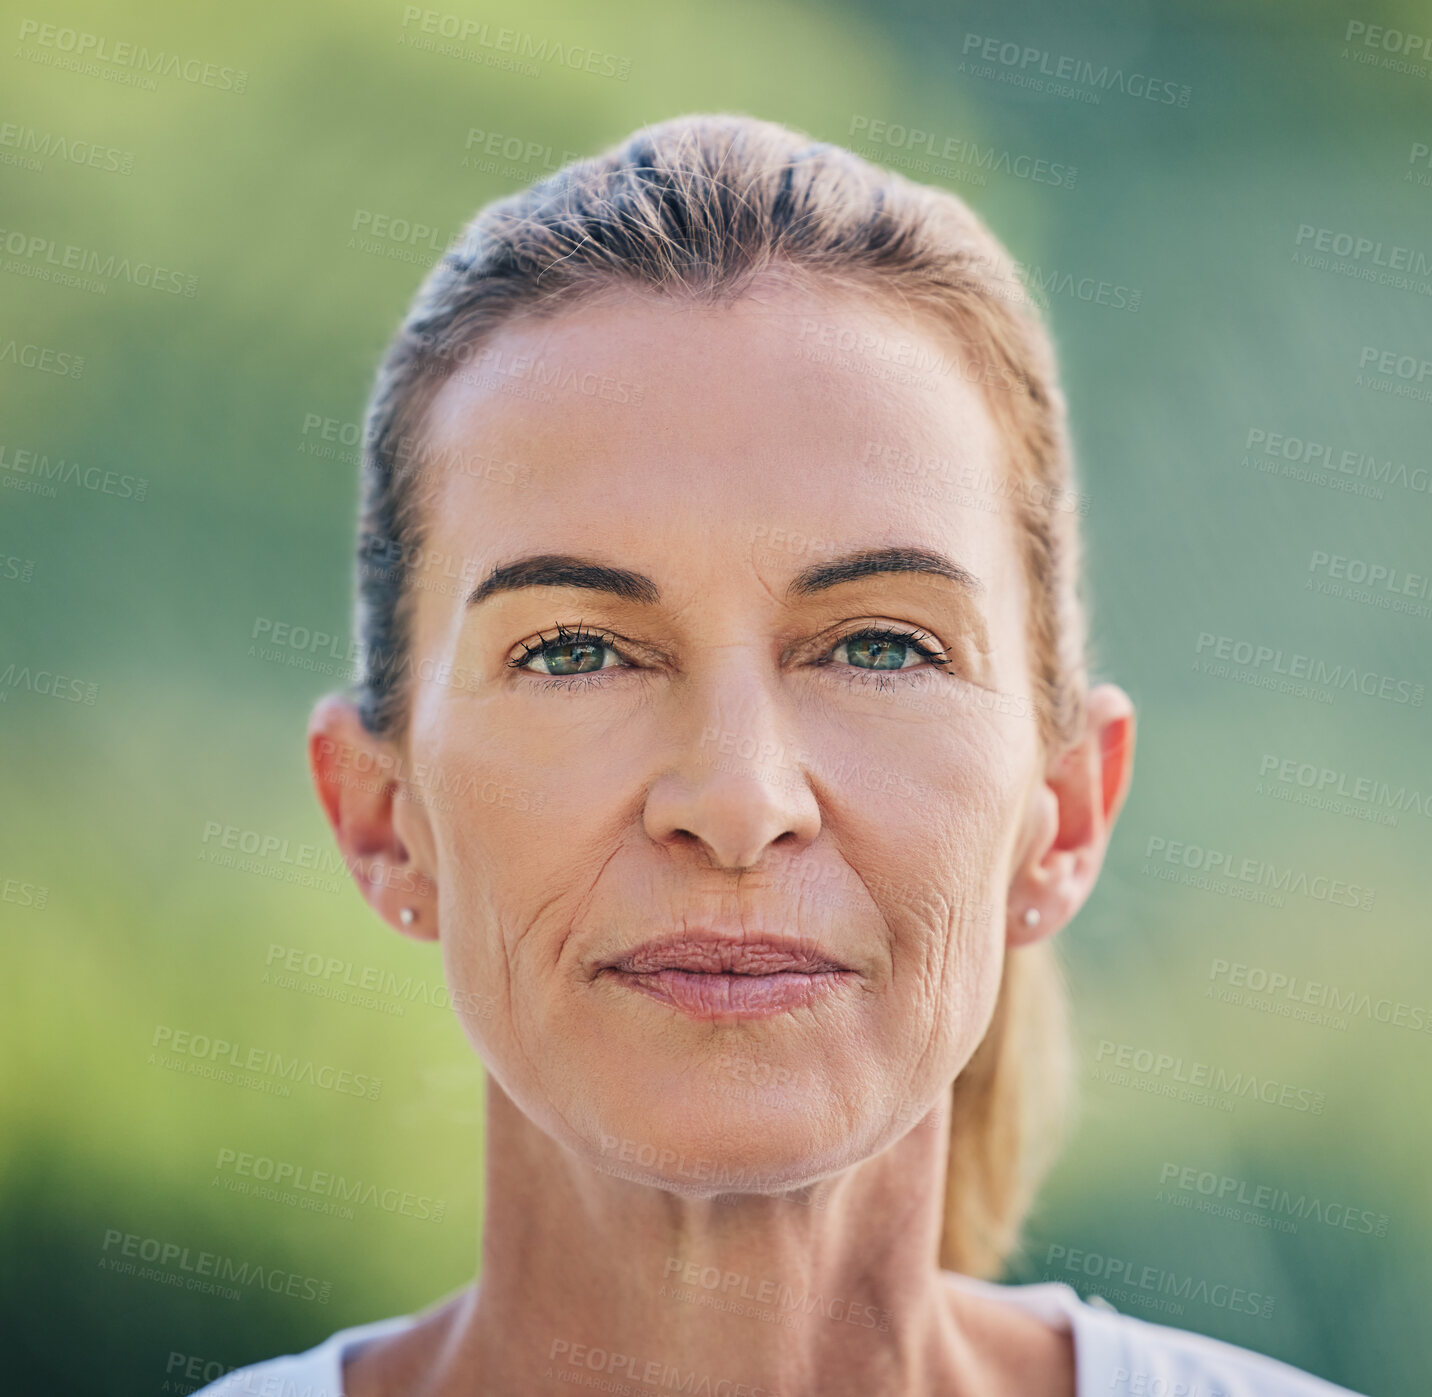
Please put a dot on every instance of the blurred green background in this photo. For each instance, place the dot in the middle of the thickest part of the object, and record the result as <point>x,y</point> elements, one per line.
<point>231,404</point>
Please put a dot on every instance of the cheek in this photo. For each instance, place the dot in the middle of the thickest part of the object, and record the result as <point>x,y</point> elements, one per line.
<point>953,854</point>
<point>918,806</point>
<point>520,844</point>
<point>494,858</point>
<point>955,823</point>
<point>486,800</point>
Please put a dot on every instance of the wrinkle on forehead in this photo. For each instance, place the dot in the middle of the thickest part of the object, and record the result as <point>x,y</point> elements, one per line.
<point>741,425</point>
<point>751,351</point>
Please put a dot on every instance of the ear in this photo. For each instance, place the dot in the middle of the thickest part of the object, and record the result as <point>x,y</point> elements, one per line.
<point>357,779</point>
<point>1071,817</point>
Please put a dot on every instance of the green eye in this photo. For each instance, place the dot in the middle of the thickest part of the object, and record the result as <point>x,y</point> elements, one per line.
<point>575,653</point>
<point>569,654</point>
<point>574,657</point>
<point>882,649</point>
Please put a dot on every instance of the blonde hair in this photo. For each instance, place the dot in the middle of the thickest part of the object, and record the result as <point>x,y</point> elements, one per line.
<point>700,207</point>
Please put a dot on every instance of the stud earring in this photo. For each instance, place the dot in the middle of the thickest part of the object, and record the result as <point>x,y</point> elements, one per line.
<point>407,916</point>
<point>1031,916</point>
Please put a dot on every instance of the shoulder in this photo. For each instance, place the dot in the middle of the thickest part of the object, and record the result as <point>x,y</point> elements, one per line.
<point>316,1372</point>
<point>1125,1356</point>
<point>312,1373</point>
<point>1122,1355</point>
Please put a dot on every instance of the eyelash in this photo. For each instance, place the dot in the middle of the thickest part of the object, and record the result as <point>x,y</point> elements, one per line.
<point>915,639</point>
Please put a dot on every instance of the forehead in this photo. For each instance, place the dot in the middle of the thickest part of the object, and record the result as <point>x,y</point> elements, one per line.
<point>788,414</point>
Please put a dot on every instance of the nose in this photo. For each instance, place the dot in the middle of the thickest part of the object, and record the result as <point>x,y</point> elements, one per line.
<point>735,788</point>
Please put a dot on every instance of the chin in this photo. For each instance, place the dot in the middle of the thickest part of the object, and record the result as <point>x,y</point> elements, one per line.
<point>703,1139</point>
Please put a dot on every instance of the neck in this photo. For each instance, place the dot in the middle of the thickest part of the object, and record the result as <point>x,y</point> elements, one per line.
<point>831,1289</point>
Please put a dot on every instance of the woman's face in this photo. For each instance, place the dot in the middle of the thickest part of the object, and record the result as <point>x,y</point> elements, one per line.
<point>724,750</point>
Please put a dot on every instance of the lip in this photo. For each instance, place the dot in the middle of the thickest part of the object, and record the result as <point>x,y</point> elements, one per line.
<point>709,976</point>
<point>700,951</point>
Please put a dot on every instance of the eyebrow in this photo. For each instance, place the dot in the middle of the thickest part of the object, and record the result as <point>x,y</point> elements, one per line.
<point>568,570</point>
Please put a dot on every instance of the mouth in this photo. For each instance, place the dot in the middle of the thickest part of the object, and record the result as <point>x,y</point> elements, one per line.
<point>719,977</point>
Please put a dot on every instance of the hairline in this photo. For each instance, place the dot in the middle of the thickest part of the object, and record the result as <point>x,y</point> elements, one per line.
<point>412,418</point>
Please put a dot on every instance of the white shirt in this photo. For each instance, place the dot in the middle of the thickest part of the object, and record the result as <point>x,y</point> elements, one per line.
<point>1115,1355</point>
